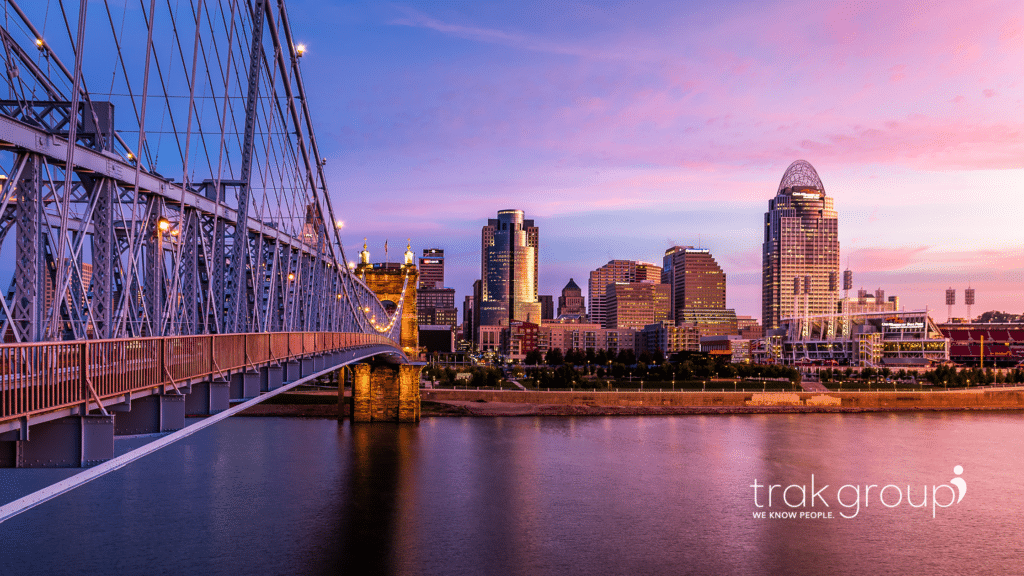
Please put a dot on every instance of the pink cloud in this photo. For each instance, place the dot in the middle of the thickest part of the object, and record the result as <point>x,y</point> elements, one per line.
<point>882,259</point>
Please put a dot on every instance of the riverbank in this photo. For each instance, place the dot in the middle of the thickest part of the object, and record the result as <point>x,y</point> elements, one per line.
<point>324,404</point>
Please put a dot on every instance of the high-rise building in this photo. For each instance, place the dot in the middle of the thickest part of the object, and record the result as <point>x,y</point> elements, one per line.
<point>698,290</point>
<point>612,272</point>
<point>697,280</point>
<point>800,256</point>
<point>547,307</point>
<point>432,268</point>
<point>647,272</point>
<point>508,268</point>
<point>571,300</point>
<point>634,305</point>
<point>467,317</point>
<point>436,307</point>
<point>474,334</point>
<point>77,289</point>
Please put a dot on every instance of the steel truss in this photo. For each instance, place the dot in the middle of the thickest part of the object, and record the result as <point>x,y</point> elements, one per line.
<point>104,245</point>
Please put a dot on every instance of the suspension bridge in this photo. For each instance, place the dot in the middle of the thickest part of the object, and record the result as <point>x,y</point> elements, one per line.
<point>167,229</point>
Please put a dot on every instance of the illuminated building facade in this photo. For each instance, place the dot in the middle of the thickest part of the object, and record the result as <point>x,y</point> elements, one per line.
<point>698,290</point>
<point>800,256</point>
<point>634,305</point>
<point>508,270</point>
<point>577,336</point>
<point>612,272</point>
<point>432,268</point>
<point>895,339</point>
<point>668,338</point>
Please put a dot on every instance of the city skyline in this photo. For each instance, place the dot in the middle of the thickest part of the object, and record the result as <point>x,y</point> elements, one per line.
<point>624,131</point>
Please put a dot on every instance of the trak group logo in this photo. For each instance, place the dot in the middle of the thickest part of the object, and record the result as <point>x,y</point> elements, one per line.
<point>800,501</point>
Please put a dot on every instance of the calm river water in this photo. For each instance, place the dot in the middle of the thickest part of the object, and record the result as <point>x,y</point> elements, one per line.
<point>618,495</point>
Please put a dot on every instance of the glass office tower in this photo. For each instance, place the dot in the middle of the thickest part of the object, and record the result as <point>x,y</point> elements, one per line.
<point>508,268</point>
<point>800,257</point>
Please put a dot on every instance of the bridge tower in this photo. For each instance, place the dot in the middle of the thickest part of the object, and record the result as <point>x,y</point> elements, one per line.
<point>395,285</point>
<point>383,392</point>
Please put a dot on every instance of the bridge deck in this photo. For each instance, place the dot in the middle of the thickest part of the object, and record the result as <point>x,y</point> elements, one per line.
<point>45,377</point>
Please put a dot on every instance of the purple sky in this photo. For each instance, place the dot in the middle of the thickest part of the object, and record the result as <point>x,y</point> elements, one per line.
<point>625,128</point>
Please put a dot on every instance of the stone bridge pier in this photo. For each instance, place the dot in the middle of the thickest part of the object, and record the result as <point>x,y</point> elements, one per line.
<point>385,393</point>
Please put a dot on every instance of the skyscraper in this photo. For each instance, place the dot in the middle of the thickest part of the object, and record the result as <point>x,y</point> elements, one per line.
<point>698,290</point>
<point>801,243</point>
<point>612,272</point>
<point>508,269</point>
<point>432,268</point>
<point>697,280</point>
<point>636,304</point>
<point>547,307</point>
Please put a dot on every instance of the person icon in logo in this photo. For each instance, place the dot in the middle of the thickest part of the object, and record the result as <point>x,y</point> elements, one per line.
<point>960,483</point>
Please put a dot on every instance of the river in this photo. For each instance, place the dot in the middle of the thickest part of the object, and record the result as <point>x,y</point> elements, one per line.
<point>550,495</point>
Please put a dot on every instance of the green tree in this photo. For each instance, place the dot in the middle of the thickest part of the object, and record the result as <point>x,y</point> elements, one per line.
<point>566,376</point>
<point>684,370</point>
<point>554,357</point>
<point>574,357</point>
<point>727,370</point>
<point>618,370</point>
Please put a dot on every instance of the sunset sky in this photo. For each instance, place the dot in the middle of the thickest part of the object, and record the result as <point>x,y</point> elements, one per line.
<point>625,128</point>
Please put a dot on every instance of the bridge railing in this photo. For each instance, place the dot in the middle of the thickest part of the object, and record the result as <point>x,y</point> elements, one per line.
<point>45,376</point>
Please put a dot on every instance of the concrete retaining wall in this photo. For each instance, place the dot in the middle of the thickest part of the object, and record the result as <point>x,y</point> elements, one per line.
<point>1008,398</point>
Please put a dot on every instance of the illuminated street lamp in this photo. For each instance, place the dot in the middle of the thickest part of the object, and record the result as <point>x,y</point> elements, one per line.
<point>300,49</point>
<point>163,224</point>
<point>291,276</point>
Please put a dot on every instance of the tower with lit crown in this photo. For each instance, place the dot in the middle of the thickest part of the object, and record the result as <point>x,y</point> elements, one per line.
<point>800,250</point>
